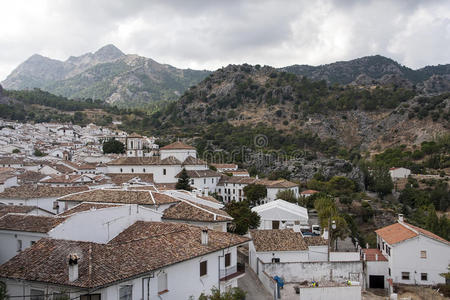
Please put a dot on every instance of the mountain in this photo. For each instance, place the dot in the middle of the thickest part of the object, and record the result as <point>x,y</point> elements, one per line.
<point>372,70</point>
<point>108,74</point>
<point>367,118</point>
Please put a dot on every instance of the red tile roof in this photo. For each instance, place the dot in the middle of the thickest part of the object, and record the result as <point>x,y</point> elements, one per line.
<point>177,146</point>
<point>278,240</point>
<point>39,191</point>
<point>189,211</point>
<point>29,223</point>
<point>142,248</point>
<point>400,232</point>
<point>374,255</point>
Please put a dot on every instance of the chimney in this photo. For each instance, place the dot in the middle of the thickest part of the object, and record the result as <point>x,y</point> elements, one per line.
<point>376,256</point>
<point>205,236</point>
<point>400,218</point>
<point>73,267</point>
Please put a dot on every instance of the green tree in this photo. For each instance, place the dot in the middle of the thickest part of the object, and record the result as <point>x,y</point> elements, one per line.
<point>328,212</point>
<point>233,294</point>
<point>243,217</point>
<point>183,181</point>
<point>38,152</point>
<point>339,185</point>
<point>16,151</point>
<point>254,193</point>
<point>287,195</point>
<point>113,146</point>
<point>3,291</point>
<point>382,181</point>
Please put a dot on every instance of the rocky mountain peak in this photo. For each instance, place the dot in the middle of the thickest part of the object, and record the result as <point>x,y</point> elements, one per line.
<point>109,52</point>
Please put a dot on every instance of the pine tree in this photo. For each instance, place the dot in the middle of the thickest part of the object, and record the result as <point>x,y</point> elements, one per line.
<point>183,181</point>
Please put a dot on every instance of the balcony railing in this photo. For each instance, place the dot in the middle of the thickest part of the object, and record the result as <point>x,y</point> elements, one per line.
<point>232,272</point>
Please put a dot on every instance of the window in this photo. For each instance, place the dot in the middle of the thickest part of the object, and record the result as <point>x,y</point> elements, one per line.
<point>162,283</point>
<point>424,276</point>
<point>220,191</point>
<point>126,292</point>
<point>132,170</point>
<point>388,250</point>
<point>275,260</point>
<point>405,275</point>
<point>204,181</point>
<point>423,254</point>
<point>121,170</point>
<point>19,245</point>
<point>37,294</point>
<point>32,243</point>
<point>389,271</point>
<point>60,296</point>
<point>90,297</point>
<point>203,268</point>
<point>212,180</point>
<point>164,171</point>
<point>143,170</point>
<point>227,260</point>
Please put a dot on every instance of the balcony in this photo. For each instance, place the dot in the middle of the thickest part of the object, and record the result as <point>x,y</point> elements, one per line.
<point>232,272</point>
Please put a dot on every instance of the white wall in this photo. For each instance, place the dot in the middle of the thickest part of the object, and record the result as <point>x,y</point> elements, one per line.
<point>272,192</point>
<point>44,203</point>
<point>183,281</point>
<point>8,242</point>
<point>379,268</point>
<point>102,225</point>
<point>156,170</point>
<point>12,181</point>
<point>405,257</point>
<point>336,293</point>
<point>206,184</point>
<point>344,256</point>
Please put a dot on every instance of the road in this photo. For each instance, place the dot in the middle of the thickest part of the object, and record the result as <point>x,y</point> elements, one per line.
<point>253,286</point>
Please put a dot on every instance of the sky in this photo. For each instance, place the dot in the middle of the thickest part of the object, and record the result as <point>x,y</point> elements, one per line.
<point>210,34</point>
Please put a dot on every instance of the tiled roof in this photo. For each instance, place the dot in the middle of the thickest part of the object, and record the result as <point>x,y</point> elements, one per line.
<point>19,209</point>
<point>278,240</point>
<point>190,160</point>
<point>85,206</point>
<point>315,241</point>
<point>200,173</point>
<point>121,196</point>
<point>402,231</point>
<point>225,166</point>
<point>10,160</point>
<point>39,191</point>
<point>62,179</point>
<point>143,247</point>
<point>374,255</point>
<point>119,179</point>
<point>134,135</point>
<point>144,161</point>
<point>395,233</point>
<point>177,146</point>
<point>189,211</point>
<point>30,177</point>
<point>29,223</point>
<point>282,183</point>
<point>308,192</point>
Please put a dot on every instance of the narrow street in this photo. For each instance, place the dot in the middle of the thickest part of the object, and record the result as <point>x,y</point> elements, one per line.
<point>253,286</point>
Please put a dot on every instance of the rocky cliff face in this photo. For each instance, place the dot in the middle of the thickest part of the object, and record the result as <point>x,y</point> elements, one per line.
<point>107,74</point>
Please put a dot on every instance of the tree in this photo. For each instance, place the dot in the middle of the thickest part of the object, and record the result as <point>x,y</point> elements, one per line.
<point>254,193</point>
<point>382,181</point>
<point>233,294</point>
<point>287,195</point>
<point>243,217</point>
<point>16,151</point>
<point>113,146</point>
<point>183,181</point>
<point>38,152</point>
<point>3,291</point>
<point>328,212</point>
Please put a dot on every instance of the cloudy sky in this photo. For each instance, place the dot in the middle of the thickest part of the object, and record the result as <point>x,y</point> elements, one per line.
<point>210,34</point>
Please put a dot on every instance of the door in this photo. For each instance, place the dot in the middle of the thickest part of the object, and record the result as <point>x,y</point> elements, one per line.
<point>376,282</point>
<point>275,224</point>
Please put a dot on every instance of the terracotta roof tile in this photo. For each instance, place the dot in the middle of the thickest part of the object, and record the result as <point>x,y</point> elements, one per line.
<point>200,173</point>
<point>29,223</point>
<point>395,233</point>
<point>29,191</point>
<point>85,206</point>
<point>374,255</point>
<point>189,211</point>
<point>119,179</point>
<point>278,240</point>
<point>121,196</point>
<point>18,209</point>
<point>143,247</point>
<point>177,146</point>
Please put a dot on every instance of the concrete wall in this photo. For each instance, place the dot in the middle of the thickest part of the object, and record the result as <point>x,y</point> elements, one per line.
<point>379,268</point>
<point>102,225</point>
<point>344,256</point>
<point>335,293</point>
<point>9,242</point>
<point>301,271</point>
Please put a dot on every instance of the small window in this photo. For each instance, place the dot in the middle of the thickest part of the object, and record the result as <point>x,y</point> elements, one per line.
<point>423,254</point>
<point>143,170</point>
<point>19,245</point>
<point>37,294</point>
<point>212,180</point>
<point>164,172</point>
<point>389,271</point>
<point>204,181</point>
<point>203,268</point>
<point>121,170</point>
<point>405,275</point>
<point>220,191</point>
<point>126,292</point>
<point>162,283</point>
<point>32,243</point>
<point>60,296</point>
<point>227,260</point>
<point>424,276</point>
<point>132,170</point>
<point>275,260</point>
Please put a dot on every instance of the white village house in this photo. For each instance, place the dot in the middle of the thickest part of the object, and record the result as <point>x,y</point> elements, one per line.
<point>397,173</point>
<point>280,214</point>
<point>414,255</point>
